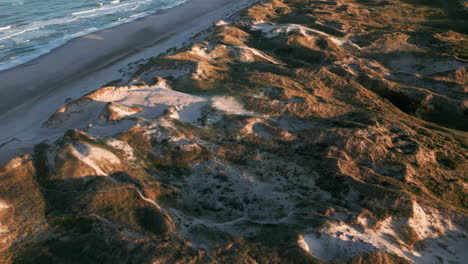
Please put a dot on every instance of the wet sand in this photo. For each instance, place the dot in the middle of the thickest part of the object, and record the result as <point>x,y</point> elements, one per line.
<point>86,54</point>
<point>32,92</point>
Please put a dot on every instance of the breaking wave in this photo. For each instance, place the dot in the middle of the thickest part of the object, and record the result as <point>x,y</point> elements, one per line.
<point>36,27</point>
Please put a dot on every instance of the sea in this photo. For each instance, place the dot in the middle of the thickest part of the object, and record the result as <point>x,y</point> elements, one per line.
<point>30,28</point>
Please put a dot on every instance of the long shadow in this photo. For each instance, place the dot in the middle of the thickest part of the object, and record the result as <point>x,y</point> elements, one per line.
<point>453,18</point>
<point>80,236</point>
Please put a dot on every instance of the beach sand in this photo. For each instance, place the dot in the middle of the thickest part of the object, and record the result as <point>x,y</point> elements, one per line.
<point>31,92</point>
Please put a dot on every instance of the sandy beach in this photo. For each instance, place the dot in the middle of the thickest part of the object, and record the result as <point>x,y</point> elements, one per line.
<point>31,92</point>
<point>84,55</point>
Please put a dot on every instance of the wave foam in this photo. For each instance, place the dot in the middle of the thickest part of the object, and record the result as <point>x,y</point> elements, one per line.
<point>5,28</point>
<point>28,41</point>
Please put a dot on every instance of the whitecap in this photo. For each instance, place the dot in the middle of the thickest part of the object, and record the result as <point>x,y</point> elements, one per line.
<point>53,21</point>
<point>23,41</point>
<point>19,33</point>
<point>5,28</point>
<point>38,25</point>
<point>101,9</point>
<point>22,33</point>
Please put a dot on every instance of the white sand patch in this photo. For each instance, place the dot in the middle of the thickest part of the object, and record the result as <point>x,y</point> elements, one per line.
<point>200,51</point>
<point>131,101</point>
<point>94,157</point>
<point>24,122</point>
<point>104,129</point>
<point>123,146</point>
<point>121,111</point>
<point>252,55</point>
<point>441,238</point>
<point>155,100</point>
<point>77,114</point>
<point>337,41</point>
<point>229,105</point>
<point>272,30</point>
<point>340,241</point>
<point>428,225</point>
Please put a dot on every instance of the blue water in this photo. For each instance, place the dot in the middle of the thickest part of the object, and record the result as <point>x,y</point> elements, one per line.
<point>30,28</point>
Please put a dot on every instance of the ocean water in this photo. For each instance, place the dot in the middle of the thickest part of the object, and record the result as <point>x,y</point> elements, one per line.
<point>30,28</point>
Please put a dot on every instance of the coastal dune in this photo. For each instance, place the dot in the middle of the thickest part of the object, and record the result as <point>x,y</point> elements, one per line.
<point>287,132</point>
<point>31,92</point>
<point>86,54</point>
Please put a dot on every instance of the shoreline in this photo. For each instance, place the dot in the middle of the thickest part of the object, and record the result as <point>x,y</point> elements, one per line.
<point>89,32</point>
<point>31,92</point>
<point>50,47</point>
<point>90,52</point>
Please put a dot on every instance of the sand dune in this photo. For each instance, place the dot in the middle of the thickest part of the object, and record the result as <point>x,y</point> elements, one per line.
<point>30,93</point>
